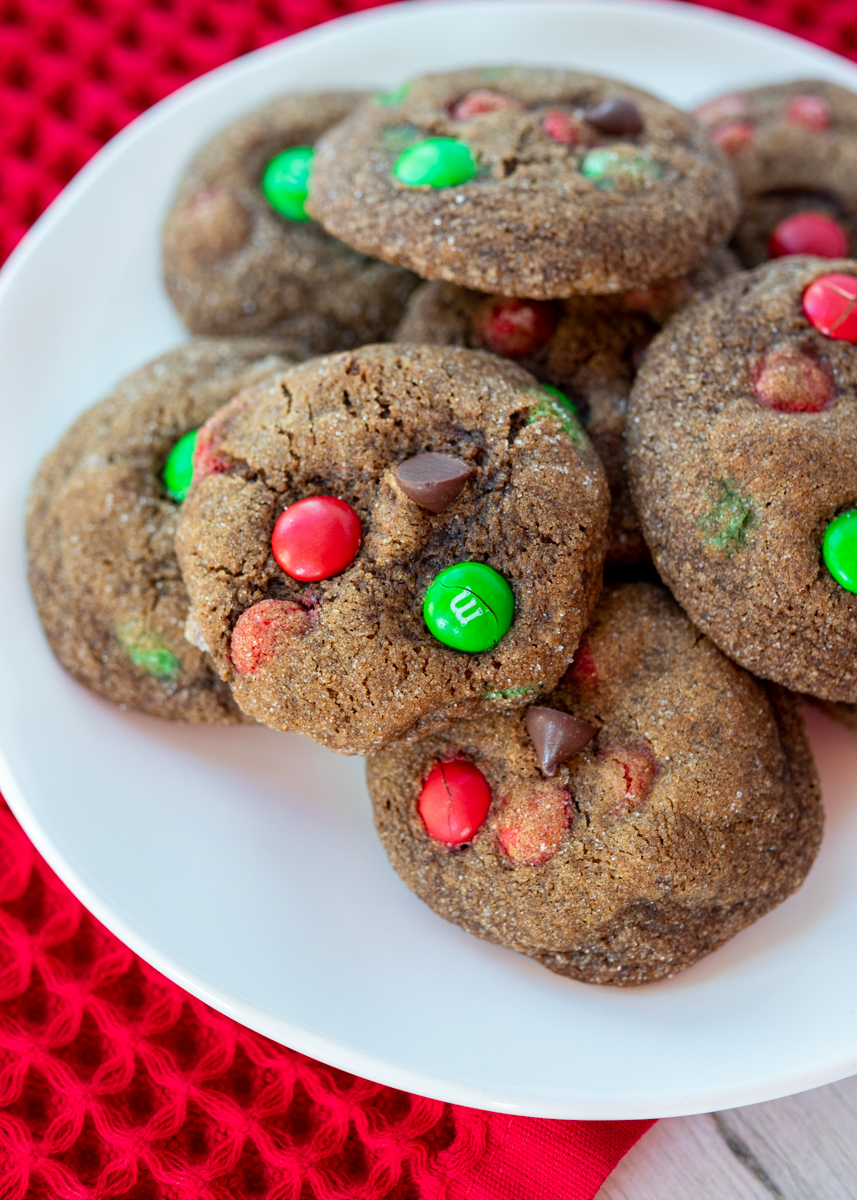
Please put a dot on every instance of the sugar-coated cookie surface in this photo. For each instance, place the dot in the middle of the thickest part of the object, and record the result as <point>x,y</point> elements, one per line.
<point>525,182</point>
<point>347,646</point>
<point>101,526</point>
<point>235,265</point>
<point>587,346</point>
<point>693,810</point>
<point>793,147</point>
<point>742,443</point>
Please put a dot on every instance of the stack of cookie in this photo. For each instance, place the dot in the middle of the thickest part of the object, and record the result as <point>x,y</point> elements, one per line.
<point>399,548</point>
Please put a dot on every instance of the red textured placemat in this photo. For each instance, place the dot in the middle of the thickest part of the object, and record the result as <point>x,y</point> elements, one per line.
<point>113,1081</point>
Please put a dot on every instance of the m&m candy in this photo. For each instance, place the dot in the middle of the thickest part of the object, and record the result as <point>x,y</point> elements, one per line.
<point>454,801</point>
<point>469,607</point>
<point>263,632</point>
<point>788,380</point>
<point>607,166</point>
<point>516,328</point>
<point>435,162</point>
<point>809,233</point>
<point>285,182</point>
<point>839,550</point>
<point>316,538</point>
<point>178,469</point>
<point>829,304</point>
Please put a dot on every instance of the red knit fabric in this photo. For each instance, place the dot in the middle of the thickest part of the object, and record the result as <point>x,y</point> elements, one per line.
<point>115,1082</point>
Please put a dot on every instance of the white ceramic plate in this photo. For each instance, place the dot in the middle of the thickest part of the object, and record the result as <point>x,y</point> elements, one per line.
<point>242,863</point>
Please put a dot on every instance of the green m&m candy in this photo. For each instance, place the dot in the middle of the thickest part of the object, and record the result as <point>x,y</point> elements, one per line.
<point>611,165</point>
<point>178,469</point>
<point>469,607</point>
<point>285,182</point>
<point>435,162</point>
<point>839,549</point>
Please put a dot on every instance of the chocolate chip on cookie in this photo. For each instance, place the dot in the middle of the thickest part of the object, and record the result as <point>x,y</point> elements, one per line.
<point>335,600</point>
<point>101,525</point>
<point>686,806</point>
<point>525,182</point>
<point>241,254</point>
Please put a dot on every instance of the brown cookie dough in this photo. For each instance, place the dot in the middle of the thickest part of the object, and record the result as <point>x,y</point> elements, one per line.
<point>694,810</point>
<point>793,147</point>
<point>587,346</point>
<point>564,199</point>
<point>232,265</point>
<point>100,530</point>
<point>735,485</point>
<point>349,660</point>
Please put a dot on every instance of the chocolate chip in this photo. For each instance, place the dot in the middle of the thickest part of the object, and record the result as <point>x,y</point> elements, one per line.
<point>615,117</point>
<point>556,736</point>
<point>432,480</point>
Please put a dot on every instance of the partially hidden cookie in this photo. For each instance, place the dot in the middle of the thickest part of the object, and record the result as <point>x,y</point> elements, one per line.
<point>235,264</point>
<point>350,589</point>
<point>588,347</point>
<point>101,525</point>
<point>742,445</point>
<point>686,806</point>
<point>793,147</point>
<point>525,182</point>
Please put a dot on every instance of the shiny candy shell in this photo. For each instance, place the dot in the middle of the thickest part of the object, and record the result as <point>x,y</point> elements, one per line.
<point>454,802</point>
<point>178,469</point>
<point>830,304</point>
<point>316,538</point>
<point>285,182</point>
<point>516,328</point>
<point>469,607</point>
<point>809,233</point>
<point>435,162</point>
<point>839,550</point>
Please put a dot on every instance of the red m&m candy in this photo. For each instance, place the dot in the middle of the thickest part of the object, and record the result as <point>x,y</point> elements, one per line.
<point>262,633</point>
<point>482,101</point>
<point>809,233</point>
<point>733,136</point>
<point>316,538</point>
<point>454,801</point>
<point>787,380</point>
<point>516,328</point>
<point>810,111</point>
<point>829,304</point>
<point>563,127</point>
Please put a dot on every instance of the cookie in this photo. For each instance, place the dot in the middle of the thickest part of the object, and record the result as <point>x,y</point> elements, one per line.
<point>793,147</point>
<point>525,182</point>
<point>587,346</point>
<point>101,525</point>
<point>742,445</point>
<point>354,590</point>
<point>654,804</point>
<point>235,264</point>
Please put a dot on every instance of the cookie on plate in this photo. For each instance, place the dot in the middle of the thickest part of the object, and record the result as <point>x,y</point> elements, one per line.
<point>241,256</point>
<point>380,541</point>
<point>742,445</point>
<point>525,182</point>
<point>587,346</point>
<point>631,821</point>
<point>101,524</point>
<point>793,147</point>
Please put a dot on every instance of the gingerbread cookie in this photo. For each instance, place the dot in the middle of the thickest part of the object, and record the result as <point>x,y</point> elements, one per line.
<point>100,529</point>
<point>742,444</point>
<point>241,256</point>
<point>634,819</point>
<point>586,346</point>
<point>381,541</point>
<point>793,147</point>
<point>525,182</point>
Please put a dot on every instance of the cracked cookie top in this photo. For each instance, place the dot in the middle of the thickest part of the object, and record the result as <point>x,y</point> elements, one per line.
<point>539,183</point>
<point>240,260</point>
<point>348,656</point>
<point>690,809</point>
<point>101,526</point>
<point>742,452</point>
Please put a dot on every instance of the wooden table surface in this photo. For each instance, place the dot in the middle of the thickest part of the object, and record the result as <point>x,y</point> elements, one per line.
<point>800,1148</point>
